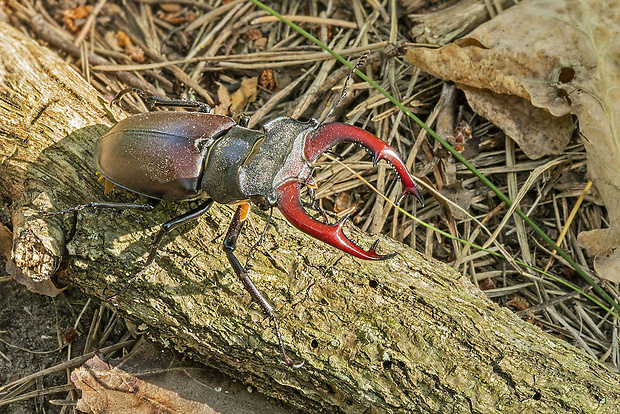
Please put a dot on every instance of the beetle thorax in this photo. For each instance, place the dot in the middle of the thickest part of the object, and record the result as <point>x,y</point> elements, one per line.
<point>279,159</point>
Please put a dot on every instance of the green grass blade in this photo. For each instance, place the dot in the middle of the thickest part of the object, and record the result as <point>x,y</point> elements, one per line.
<point>456,155</point>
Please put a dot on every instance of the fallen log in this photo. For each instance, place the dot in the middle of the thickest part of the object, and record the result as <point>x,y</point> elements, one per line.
<point>404,335</point>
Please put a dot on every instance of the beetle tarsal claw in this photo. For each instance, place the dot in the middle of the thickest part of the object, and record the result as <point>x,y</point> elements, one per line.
<point>291,207</point>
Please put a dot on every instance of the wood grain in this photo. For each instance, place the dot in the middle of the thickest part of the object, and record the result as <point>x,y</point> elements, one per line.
<point>404,335</point>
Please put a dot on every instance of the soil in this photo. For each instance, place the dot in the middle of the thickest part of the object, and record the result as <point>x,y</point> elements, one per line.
<point>32,326</point>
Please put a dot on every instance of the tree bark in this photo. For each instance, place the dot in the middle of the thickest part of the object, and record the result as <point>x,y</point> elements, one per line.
<point>404,335</point>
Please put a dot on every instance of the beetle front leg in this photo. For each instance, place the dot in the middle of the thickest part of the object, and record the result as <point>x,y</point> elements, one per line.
<point>230,243</point>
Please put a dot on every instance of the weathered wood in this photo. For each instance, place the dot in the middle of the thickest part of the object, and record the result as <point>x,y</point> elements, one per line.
<point>404,335</point>
<point>450,23</point>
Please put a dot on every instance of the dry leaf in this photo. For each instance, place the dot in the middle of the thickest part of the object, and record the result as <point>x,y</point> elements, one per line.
<point>268,79</point>
<point>245,94</point>
<point>603,246</point>
<point>224,97</point>
<point>123,39</point>
<point>518,302</point>
<point>460,196</point>
<point>42,287</point>
<point>529,70</point>
<point>75,18</point>
<point>135,53</point>
<point>153,379</point>
<point>345,201</point>
<point>107,389</point>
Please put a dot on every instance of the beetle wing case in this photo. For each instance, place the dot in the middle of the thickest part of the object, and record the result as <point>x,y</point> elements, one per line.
<point>159,154</point>
<point>280,158</point>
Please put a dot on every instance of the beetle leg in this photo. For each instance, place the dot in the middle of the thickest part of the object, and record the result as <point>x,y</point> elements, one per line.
<point>230,243</point>
<point>154,101</point>
<point>244,120</point>
<point>148,206</point>
<point>260,239</point>
<point>328,135</point>
<point>168,226</point>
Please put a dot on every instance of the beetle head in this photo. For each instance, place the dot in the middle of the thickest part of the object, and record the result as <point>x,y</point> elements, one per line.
<point>322,138</point>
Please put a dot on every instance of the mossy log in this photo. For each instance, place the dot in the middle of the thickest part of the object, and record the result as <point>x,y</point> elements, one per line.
<point>404,335</point>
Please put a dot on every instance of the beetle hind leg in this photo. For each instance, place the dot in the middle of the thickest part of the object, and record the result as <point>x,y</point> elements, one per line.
<point>230,243</point>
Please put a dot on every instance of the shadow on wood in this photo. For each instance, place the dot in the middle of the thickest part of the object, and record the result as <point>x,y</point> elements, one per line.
<point>404,335</point>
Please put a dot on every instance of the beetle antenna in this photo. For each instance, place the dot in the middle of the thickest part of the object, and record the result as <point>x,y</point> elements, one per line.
<point>260,239</point>
<point>360,62</point>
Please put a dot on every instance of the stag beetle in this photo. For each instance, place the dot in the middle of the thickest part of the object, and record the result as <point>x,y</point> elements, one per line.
<point>179,155</point>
